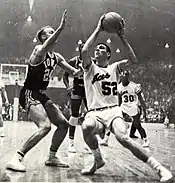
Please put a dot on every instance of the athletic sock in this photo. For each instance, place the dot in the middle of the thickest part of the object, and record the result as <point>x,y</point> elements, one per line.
<point>52,154</point>
<point>153,163</point>
<point>20,155</point>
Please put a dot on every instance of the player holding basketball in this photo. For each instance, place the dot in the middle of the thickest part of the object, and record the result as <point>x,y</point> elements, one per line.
<point>77,95</point>
<point>3,94</point>
<point>102,99</point>
<point>40,108</point>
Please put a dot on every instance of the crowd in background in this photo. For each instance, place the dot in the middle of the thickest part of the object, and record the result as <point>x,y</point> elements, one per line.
<point>156,79</point>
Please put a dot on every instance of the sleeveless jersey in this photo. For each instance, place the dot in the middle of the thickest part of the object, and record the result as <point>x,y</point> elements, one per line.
<point>101,86</point>
<point>38,76</point>
<point>130,101</point>
<point>78,82</point>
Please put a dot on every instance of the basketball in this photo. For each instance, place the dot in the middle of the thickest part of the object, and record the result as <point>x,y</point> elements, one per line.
<point>112,22</point>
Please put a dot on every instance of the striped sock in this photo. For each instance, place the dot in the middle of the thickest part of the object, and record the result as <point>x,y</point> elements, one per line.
<point>153,163</point>
<point>52,154</point>
<point>20,155</point>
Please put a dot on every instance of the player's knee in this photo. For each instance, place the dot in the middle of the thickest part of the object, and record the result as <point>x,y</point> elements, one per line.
<point>119,127</point>
<point>87,128</point>
<point>45,128</point>
<point>64,126</point>
<point>73,121</point>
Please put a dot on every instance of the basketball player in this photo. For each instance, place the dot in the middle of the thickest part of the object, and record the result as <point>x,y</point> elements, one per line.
<point>170,116</point>
<point>102,99</point>
<point>41,109</point>
<point>3,95</point>
<point>132,102</point>
<point>77,95</point>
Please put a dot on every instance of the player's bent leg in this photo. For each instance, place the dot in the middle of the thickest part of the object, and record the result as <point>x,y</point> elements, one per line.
<point>141,130</point>
<point>132,131</point>
<point>119,129</point>
<point>76,101</point>
<point>90,128</point>
<point>72,129</point>
<point>58,119</point>
<point>39,117</point>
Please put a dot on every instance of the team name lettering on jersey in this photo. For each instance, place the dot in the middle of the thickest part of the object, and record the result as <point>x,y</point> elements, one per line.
<point>124,92</point>
<point>99,77</point>
<point>49,63</point>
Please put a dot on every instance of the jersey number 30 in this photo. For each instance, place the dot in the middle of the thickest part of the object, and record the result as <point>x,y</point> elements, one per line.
<point>129,98</point>
<point>109,88</point>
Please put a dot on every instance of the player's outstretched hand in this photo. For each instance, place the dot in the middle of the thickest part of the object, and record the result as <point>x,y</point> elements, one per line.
<point>100,23</point>
<point>121,30</point>
<point>63,19</point>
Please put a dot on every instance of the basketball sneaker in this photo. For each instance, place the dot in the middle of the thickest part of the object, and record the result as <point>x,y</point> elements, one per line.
<point>71,148</point>
<point>54,161</point>
<point>166,175</point>
<point>146,142</point>
<point>16,164</point>
<point>98,163</point>
<point>166,122</point>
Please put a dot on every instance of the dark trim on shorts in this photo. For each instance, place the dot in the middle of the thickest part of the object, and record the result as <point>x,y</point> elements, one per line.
<point>102,108</point>
<point>29,97</point>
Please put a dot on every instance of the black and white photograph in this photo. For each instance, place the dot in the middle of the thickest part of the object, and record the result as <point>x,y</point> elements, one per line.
<point>87,91</point>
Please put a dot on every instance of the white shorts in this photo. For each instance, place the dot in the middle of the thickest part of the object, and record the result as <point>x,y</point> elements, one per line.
<point>105,116</point>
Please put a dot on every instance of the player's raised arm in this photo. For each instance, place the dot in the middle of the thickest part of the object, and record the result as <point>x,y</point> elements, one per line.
<point>131,55</point>
<point>85,51</point>
<point>51,40</point>
<point>47,37</point>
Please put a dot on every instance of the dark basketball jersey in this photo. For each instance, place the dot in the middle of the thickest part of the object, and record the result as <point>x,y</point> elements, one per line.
<point>78,83</point>
<point>38,76</point>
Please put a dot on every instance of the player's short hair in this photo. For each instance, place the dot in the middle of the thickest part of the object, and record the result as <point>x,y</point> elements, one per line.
<point>40,32</point>
<point>107,48</point>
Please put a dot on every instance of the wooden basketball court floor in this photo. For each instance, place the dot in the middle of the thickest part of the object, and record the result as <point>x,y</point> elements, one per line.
<point>121,165</point>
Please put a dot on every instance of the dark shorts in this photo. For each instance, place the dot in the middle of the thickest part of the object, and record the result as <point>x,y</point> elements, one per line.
<point>28,97</point>
<point>78,93</point>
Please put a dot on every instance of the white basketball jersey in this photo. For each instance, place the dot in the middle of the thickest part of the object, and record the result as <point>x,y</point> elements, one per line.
<point>101,86</point>
<point>129,97</point>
